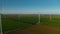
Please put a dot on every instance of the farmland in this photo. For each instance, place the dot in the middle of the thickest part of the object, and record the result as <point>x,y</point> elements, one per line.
<point>29,24</point>
<point>52,20</point>
<point>22,21</point>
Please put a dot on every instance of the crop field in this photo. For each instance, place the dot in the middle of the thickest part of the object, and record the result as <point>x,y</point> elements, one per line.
<point>30,23</point>
<point>22,21</point>
<point>52,20</point>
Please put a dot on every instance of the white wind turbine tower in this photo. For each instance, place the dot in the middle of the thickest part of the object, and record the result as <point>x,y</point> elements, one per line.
<point>38,12</point>
<point>1,22</point>
<point>38,17</point>
<point>0,25</point>
<point>50,17</point>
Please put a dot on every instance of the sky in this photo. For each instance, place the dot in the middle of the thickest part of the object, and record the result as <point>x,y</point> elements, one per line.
<point>30,6</point>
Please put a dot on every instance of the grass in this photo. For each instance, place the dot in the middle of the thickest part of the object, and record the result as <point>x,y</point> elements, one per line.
<point>10,22</point>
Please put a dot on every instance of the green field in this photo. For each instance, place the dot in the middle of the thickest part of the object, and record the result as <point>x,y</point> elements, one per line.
<point>52,20</point>
<point>22,21</point>
<point>11,22</point>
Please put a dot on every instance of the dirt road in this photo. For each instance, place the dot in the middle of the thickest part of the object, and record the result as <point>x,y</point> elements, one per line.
<point>38,29</point>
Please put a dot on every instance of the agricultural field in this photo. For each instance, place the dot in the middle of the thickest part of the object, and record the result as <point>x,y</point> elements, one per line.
<point>18,21</point>
<point>52,20</point>
<point>29,24</point>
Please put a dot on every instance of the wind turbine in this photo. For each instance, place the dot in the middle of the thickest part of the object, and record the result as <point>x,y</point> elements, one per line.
<point>50,17</point>
<point>39,17</point>
<point>0,23</point>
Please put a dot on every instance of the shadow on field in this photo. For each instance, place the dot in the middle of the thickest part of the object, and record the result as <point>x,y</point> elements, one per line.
<point>38,29</point>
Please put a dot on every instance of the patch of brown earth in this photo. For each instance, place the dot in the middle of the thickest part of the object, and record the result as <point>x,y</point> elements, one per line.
<point>38,29</point>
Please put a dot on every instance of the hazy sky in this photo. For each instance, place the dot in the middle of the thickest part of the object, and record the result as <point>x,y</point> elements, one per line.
<point>31,6</point>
